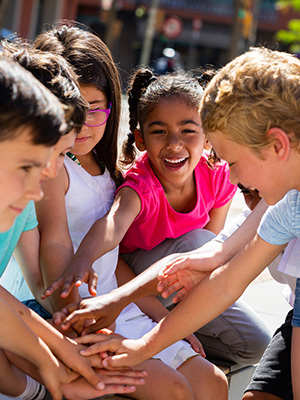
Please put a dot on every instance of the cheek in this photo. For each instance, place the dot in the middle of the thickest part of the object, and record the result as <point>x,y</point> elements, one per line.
<point>14,190</point>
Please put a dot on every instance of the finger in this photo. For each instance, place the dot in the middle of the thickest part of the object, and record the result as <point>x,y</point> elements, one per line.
<point>97,348</point>
<point>93,284</point>
<point>174,267</point>
<point>179,296</point>
<point>92,328</point>
<point>67,287</point>
<point>129,372</point>
<point>94,379</point>
<point>166,283</point>
<point>123,380</point>
<point>76,316</point>
<point>171,289</point>
<point>53,287</point>
<point>58,317</point>
<point>79,279</point>
<point>116,361</point>
<point>112,389</point>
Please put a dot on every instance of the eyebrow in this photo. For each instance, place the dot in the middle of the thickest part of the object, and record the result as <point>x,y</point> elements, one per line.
<point>33,163</point>
<point>96,101</point>
<point>184,122</point>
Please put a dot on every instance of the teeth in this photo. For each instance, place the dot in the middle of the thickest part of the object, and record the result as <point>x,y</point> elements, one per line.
<point>175,161</point>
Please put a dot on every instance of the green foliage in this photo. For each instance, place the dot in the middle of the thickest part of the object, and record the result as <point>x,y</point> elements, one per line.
<point>291,36</point>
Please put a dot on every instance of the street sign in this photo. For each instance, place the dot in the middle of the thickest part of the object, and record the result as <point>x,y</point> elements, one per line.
<point>172,27</point>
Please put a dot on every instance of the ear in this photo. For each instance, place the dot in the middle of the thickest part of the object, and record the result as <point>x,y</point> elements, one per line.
<point>139,140</point>
<point>280,142</point>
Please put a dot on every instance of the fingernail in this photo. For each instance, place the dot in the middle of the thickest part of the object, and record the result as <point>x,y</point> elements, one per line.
<point>100,386</point>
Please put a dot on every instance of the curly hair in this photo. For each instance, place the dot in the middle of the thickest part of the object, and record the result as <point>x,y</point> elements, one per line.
<point>253,93</point>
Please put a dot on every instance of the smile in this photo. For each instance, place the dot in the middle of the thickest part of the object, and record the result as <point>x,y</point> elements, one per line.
<point>81,140</point>
<point>16,209</point>
<point>175,163</point>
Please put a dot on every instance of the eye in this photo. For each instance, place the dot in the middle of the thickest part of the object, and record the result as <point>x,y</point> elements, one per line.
<point>26,168</point>
<point>62,154</point>
<point>187,130</point>
<point>157,132</point>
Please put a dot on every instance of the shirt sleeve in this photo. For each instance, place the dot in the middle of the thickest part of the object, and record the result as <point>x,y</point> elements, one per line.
<point>279,224</point>
<point>31,220</point>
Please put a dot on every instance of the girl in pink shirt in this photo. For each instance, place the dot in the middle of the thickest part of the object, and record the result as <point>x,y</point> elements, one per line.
<point>172,188</point>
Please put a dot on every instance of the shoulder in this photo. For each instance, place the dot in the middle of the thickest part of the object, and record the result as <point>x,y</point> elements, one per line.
<point>141,178</point>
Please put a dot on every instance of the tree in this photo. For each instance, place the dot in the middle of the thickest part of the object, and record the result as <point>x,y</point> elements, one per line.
<point>291,36</point>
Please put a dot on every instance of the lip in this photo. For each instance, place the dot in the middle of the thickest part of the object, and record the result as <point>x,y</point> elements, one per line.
<point>81,139</point>
<point>174,163</point>
<point>18,210</point>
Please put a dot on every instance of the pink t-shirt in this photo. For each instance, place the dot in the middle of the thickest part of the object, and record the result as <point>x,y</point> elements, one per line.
<point>157,220</point>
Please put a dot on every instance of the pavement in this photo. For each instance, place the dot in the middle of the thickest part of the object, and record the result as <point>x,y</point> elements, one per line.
<point>264,294</point>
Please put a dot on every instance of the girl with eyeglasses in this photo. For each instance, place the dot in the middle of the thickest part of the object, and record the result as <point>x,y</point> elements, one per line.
<point>82,193</point>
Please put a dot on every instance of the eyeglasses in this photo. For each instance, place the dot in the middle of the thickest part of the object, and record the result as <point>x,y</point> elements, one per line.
<point>97,117</point>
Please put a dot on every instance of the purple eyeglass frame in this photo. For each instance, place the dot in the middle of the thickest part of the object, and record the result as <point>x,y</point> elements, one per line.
<point>107,112</point>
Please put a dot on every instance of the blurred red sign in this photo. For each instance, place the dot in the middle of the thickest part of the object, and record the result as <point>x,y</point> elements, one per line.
<point>172,27</point>
<point>197,24</point>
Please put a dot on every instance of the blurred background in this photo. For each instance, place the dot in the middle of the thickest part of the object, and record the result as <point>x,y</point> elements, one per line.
<point>165,34</point>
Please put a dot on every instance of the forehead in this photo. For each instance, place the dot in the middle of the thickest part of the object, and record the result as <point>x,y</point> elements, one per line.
<point>227,149</point>
<point>22,149</point>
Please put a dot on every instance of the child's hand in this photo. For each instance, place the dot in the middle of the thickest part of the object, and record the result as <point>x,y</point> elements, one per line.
<point>74,275</point>
<point>115,382</point>
<point>179,276</point>
<point>103,310</point>
<point>127,352</point>
<point>53,375</point>
<point>196,344</point>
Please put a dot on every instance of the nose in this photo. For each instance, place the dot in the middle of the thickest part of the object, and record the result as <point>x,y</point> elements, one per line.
<point>174,143</point>
<point>51,169</point>
<point>34,191</point>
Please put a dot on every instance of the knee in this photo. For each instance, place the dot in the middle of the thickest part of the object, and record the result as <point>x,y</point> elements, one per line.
<point>255,348</point>
<point>221,383</point>
<point>181,389</point>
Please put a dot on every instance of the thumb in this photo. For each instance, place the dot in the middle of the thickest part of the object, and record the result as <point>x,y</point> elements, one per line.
<point>116,361</point>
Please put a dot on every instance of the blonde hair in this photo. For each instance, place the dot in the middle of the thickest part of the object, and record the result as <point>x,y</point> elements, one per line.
<point>253,93</point>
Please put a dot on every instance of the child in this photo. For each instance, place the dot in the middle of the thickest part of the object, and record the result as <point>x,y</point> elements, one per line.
<point>32,121</point>
<point>171,199</point>
<point>23,238</point>
<point>250,112</point>
<point>83,192</point>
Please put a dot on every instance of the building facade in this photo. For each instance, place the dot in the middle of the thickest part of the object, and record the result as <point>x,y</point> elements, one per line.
<point>200,32</point>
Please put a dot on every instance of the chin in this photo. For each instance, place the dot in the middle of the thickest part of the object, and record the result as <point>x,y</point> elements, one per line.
<point>6,224</point>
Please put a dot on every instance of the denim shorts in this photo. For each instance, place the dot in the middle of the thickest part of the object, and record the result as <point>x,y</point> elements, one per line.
<point>296,316</point>
<point>35,306</point>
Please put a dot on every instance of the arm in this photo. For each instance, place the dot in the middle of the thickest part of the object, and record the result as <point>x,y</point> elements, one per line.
<point>295,358</point>
<point>217,218</point>
<point>187,270</point>
<point>18,338</point>
<point>105,234</point>
<point>208,257</point>
<point>215,294</point>
<point>56,248</point>
<point>61,346</point>
<point>27,255</point>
